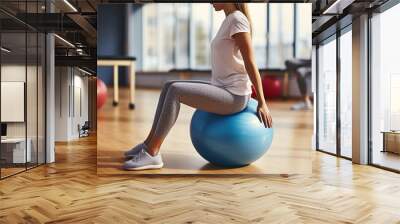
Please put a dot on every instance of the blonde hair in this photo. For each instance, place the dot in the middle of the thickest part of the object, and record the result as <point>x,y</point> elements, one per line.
<point>243,7</point>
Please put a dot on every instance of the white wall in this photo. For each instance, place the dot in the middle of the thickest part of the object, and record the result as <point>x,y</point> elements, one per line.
<point>61,103</point>
<point>80,111</point>
<point>71,103</point>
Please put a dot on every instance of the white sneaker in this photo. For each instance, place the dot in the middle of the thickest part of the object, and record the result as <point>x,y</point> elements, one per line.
<point>301,106</point>
<point>135,150</point>
<point>144,161</point>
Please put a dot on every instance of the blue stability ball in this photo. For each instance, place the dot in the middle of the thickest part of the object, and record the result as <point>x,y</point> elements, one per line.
<point>230,140</point>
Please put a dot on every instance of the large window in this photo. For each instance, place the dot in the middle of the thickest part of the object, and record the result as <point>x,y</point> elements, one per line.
<point>179,35</point>
<point>166,21</point>
<point>259,15</point>
<point>334,62</point>
<point>327,96</point>
<point>200,42</point>
<point>182,37</point>
<point>150,34</point>
<point>159,50</point>
<point>281,37</point>
<point>303,31</point>
<point>385,89</point>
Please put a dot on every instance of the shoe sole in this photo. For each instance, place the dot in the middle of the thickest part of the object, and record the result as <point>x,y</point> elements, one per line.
<point>148,167</point>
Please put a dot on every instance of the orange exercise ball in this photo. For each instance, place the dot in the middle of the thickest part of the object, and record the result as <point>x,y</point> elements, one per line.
<point>101,93</point>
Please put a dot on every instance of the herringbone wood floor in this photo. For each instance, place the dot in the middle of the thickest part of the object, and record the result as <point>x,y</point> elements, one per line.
<point>71,192</point>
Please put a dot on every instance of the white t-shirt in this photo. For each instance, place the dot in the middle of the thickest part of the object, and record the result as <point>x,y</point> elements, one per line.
<point>227,65</point>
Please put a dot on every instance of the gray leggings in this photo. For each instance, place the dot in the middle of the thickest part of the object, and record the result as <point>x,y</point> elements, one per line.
<point>198,94</point>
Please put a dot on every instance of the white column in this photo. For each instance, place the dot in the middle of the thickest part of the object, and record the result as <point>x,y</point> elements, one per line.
<point>50,99</point>
<point>360,90</point>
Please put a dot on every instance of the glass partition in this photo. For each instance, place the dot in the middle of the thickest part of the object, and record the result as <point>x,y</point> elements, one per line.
<point>346,93</point>
<point>385,90</point>
<point>32,97</point>
<point>334,62</point>
<point>15,149</point>
<point>327,96</point>
<point>22,88</point>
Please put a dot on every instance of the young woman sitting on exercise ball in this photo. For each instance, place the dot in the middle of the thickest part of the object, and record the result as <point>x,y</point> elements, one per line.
<point>233,69</point>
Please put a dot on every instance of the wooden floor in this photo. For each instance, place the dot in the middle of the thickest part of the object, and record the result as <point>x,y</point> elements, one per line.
<point>70,191</point>
<point>120,128</point>
<point>387,159</point>
<point>5,172</point>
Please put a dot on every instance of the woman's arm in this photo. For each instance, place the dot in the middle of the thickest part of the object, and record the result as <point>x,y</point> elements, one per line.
<point>243,40</point>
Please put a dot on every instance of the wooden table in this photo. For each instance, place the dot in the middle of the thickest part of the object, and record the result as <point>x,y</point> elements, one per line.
<point>16,154</point>
<point>115,62</point>
<point>391,141</point>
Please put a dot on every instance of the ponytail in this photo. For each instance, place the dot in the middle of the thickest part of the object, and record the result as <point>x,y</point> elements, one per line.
<point>245,10</point>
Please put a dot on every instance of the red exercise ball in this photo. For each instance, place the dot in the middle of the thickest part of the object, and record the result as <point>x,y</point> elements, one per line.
<point>272,87</point>
<point>101,93</point>
<point>253,92</point>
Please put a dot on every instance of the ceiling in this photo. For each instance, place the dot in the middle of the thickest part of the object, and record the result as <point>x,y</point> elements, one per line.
<point>76,20</point>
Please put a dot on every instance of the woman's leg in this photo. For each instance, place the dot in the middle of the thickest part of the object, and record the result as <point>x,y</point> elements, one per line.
<point>203,96</point>
<point>160,105</point>
<point>301,75</point>
<point>161,101</point>
<point>302,83</point>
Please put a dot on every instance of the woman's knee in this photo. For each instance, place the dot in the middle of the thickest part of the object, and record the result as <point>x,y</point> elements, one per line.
<point>173,91</point>
<point>170,82</point>
<point>174,88</point>
<point>167,85</point>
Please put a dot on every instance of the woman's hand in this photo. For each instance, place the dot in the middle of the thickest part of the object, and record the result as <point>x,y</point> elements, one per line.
<point>264,115</point>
